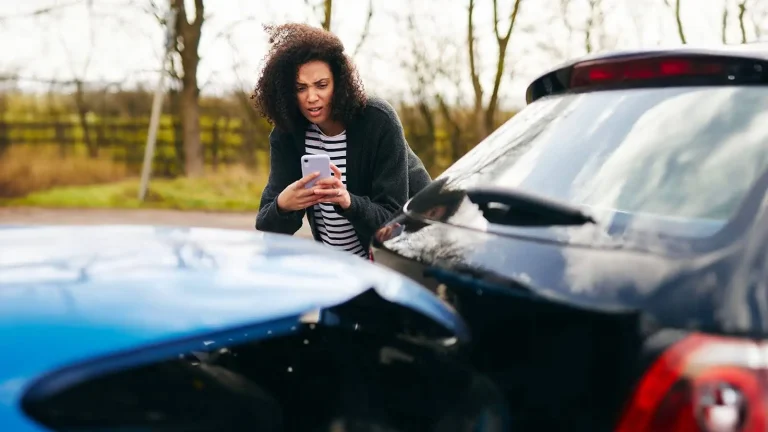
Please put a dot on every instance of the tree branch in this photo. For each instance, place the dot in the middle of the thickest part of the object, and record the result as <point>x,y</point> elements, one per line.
<point>327,15</point>
<point>199,13</point>
<point>679,20</point>
<point>564,16</point>
<point>490,112</point>
<point>474,76</point>
<point>43,11</point>
<point>512,19</point>
<point>742,11</point>
<point>366,29</point>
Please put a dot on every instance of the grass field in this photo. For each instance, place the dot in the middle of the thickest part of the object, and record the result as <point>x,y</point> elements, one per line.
<point>40,177</point>
<point>233,190</point>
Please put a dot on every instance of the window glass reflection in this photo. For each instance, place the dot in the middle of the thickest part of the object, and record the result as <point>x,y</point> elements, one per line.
<point>670,153</point>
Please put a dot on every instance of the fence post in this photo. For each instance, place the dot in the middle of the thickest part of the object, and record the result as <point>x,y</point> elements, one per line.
<point>61,138</point>
<point>215,145</point>
<point>157,103</point>
<point>4,140</point>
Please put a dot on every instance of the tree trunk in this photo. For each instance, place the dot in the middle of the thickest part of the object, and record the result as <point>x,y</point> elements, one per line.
<point>473,71</point>
<point>327,14</point>
<point>502,42</point>
<point>679,21</point>
<point>454,130</point>
<point>82,115</point>
<point>490,112</point>
<point>742,12</point>
<point>724,25</point>
<point>189,35</point>
<point>190,122</point>
<point>485,117</point>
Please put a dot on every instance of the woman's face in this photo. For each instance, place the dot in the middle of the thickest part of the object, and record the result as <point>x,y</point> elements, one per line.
<point>314,90</point>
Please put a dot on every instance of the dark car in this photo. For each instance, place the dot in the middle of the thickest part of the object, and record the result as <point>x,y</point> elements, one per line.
<point>608,245</point>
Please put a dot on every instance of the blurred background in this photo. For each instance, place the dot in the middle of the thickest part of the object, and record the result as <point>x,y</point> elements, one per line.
<point>77,80</point>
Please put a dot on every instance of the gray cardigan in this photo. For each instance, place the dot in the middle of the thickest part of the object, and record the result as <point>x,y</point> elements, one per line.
<point>382,173</point>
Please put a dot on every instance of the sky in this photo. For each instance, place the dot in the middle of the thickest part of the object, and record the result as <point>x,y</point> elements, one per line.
<point>120,41</point>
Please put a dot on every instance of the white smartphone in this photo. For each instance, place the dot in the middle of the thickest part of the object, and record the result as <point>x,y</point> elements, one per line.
<point>316,163</point>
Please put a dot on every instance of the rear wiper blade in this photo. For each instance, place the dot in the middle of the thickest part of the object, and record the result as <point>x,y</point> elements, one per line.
<point>506,206</point>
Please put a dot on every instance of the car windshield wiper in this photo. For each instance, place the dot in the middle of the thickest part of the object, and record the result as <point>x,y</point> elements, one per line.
<point>506,206</point>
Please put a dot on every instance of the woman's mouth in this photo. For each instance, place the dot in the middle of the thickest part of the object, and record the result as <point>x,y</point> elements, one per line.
<point>314,112</point>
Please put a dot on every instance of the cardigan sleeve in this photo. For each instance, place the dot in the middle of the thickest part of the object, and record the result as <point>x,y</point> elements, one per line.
<point>281,173</point>
<point>389,187</point>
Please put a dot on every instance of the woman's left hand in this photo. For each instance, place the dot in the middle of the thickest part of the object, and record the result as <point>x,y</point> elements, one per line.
<point>332,190</point>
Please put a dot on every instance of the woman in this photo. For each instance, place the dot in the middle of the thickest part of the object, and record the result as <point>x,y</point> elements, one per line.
<point>310,91</point>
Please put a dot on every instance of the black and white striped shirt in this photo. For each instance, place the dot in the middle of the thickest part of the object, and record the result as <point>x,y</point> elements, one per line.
<point>335,230</point>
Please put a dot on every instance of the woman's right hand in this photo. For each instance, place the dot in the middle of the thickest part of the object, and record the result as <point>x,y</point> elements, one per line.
<point>296,197</point>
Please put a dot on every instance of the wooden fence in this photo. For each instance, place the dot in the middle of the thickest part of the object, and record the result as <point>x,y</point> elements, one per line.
<point>225,140</point>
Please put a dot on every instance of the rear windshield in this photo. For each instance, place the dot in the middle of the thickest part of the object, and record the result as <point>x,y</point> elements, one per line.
<point>688,156</point>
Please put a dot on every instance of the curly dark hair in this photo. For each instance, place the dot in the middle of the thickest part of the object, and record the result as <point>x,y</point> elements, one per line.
<point>293,45</point>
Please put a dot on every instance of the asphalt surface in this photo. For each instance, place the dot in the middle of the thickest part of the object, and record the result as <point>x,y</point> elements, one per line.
<point>40,216</point>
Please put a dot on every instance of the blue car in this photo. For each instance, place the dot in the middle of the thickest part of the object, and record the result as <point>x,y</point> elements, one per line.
<point>136,328</point>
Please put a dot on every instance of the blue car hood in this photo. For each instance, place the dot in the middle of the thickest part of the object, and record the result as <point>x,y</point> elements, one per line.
<point>69,294</point>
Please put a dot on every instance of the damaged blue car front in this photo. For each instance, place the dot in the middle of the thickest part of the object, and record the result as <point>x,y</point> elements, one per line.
<point>161,328</point>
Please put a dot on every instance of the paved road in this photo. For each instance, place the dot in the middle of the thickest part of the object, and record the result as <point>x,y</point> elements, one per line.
<point>38,216</point>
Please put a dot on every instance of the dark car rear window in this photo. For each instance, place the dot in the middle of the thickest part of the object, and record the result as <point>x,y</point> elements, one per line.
<point>684,155</point>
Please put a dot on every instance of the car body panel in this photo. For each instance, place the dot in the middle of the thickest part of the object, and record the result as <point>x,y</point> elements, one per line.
<point>72,294</point>
<point>698,292</point>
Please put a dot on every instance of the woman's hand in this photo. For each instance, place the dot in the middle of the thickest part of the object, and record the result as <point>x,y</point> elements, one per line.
<point>332,190</point>
<point>296,197</point>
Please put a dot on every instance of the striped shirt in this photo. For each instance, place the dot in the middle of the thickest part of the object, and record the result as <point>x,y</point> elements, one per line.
<point>334,229</point>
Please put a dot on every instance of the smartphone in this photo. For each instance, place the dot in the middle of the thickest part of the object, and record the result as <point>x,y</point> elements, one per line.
<point>316,163</point>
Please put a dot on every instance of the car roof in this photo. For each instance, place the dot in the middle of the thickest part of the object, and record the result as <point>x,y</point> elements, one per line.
<point>754,51</point>
<point>68,294</point>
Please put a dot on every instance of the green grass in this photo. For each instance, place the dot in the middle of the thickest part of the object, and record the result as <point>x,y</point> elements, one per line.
<point>235,190</point>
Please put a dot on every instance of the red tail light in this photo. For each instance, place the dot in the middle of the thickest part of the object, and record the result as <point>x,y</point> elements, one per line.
<point>616,71</point>
<point>702,384</point>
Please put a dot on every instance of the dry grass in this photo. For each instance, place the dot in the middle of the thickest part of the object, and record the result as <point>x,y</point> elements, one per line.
<point>233,189</point>
<point>27,169</point>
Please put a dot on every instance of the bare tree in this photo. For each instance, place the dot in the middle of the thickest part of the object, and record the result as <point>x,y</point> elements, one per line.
<point>557,48</point>
<point>326,17</point>
<point>187,44</point>
<point>759,15</point>
<point>366,29</point>
<point>81,101</point>
<point>752,13</point>
<point>486,115</point>
<point>419,122</point>
<point>742,12</point>
<point>250,146</point>
<point>45,10</point>
<point>592,28</point>
<point>325,10</point>
<point>328,9</point>
<point>594,22</point>
<point>724,25</point>
<point>678,19</point>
